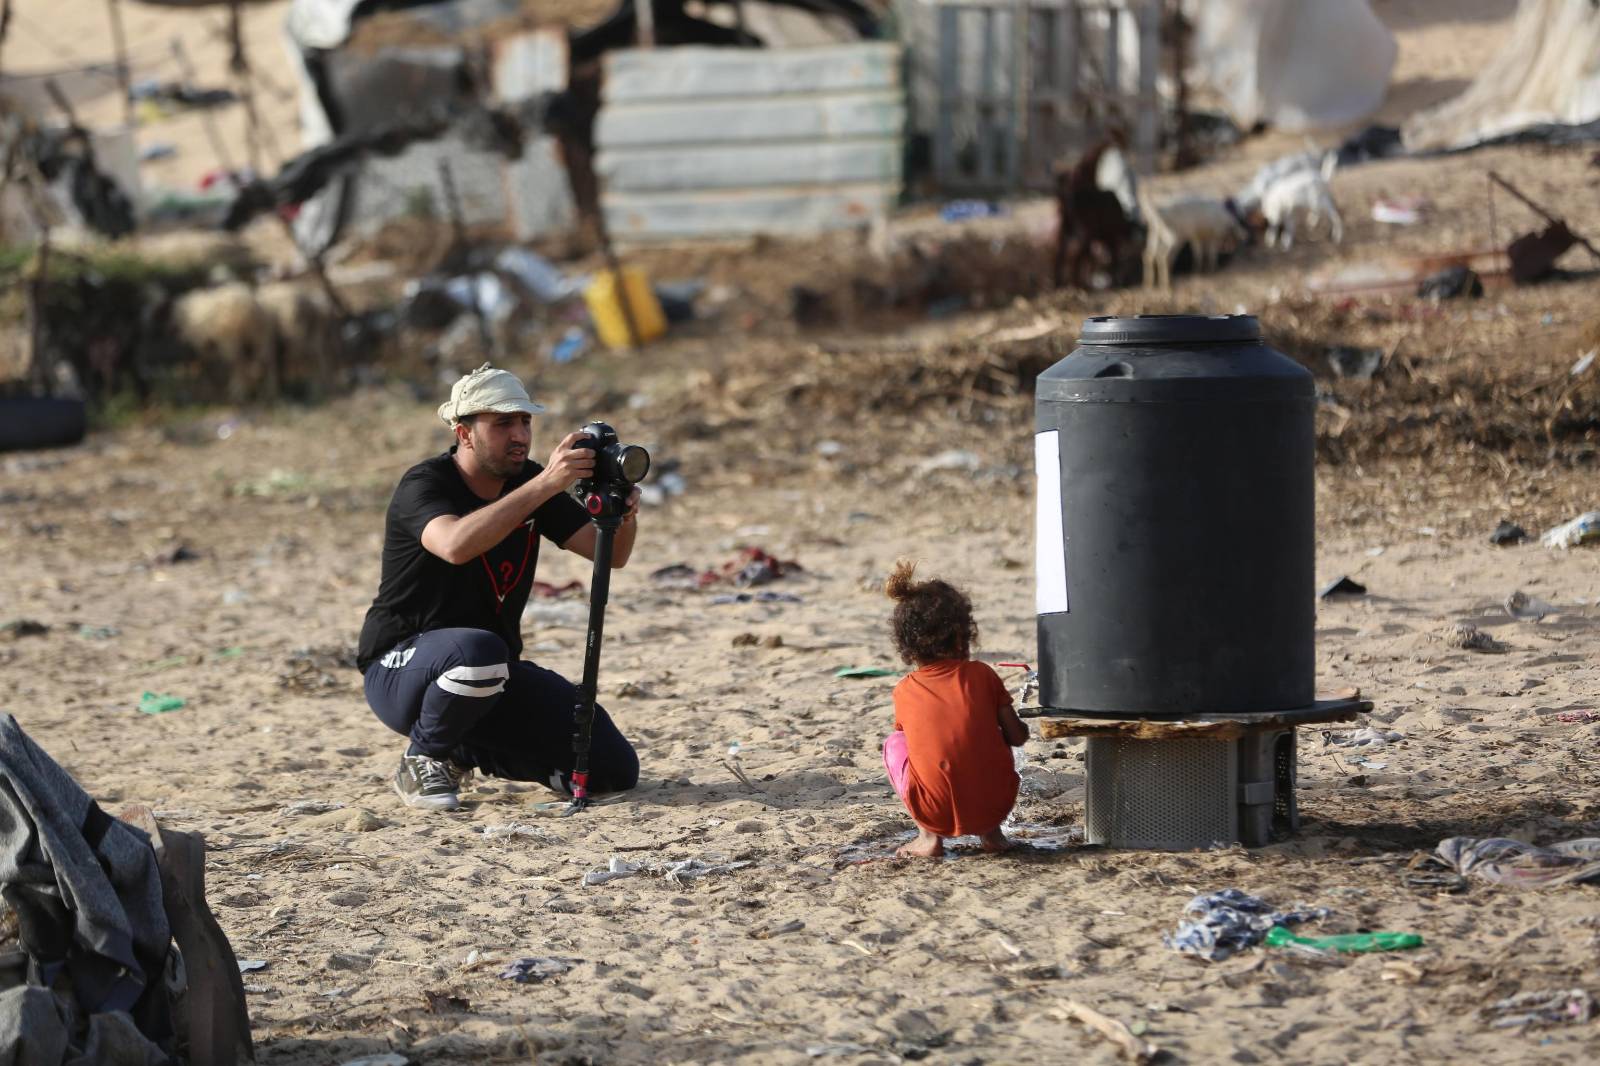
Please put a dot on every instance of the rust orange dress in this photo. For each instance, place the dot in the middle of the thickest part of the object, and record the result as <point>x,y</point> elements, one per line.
<point>961,780</point>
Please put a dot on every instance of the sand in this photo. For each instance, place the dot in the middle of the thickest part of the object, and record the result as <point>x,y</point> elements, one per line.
<point>383,928</point>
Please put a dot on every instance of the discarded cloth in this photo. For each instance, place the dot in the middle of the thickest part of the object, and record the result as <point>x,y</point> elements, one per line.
<point>38,1028</point>
<point>1225,922</point>
<point>1363,738</point>
<point>1511,862</point>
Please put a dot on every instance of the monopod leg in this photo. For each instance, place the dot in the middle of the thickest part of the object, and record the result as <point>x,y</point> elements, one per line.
<point>583,719</point>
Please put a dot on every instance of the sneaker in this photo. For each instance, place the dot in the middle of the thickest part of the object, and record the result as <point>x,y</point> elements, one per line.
<point>431,784</point>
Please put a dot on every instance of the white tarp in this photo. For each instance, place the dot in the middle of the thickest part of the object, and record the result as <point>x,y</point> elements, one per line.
<point>1296,64</point>
<point>1548,72</point>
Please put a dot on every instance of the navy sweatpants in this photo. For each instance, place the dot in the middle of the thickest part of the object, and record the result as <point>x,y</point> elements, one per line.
<point>457,695</point>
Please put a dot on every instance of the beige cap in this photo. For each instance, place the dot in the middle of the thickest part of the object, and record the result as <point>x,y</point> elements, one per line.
<point>487,389</point>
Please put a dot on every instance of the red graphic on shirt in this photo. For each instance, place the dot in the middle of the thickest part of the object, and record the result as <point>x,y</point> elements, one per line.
<point>510,574</point>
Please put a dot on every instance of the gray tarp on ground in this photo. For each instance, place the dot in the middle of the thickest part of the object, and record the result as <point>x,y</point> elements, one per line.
<point>1511,862</point>
<point>58,849</point>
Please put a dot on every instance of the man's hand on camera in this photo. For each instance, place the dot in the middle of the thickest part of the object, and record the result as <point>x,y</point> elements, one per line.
<point>567,464</point>
<point>632,511</point>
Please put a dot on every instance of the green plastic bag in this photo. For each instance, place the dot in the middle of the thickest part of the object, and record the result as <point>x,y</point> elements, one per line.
<point>864,671</point>
<point>1279,936</point>
<point>156,703</point>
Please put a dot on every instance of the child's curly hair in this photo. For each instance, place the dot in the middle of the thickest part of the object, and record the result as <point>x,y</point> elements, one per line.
<point>932,619</point>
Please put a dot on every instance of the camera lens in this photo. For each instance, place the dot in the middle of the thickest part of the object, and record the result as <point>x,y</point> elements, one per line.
<point>633,463</point>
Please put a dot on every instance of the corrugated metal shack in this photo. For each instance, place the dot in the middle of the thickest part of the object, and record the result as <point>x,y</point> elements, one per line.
<point>715,142</point>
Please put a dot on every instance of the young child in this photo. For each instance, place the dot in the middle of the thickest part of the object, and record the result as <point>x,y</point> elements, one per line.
<point>949,756</point>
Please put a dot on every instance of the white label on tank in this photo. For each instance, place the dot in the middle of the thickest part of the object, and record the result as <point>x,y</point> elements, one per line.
<point>1050,561</point>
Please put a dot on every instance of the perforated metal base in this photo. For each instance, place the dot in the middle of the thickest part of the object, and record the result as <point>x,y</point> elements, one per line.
<point>1174,795</point>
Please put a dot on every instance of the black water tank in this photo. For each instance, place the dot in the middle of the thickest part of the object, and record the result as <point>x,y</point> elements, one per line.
<point>1176,562</point>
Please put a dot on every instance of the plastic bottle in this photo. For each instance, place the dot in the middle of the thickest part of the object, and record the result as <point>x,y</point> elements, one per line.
<point>1279,936</point>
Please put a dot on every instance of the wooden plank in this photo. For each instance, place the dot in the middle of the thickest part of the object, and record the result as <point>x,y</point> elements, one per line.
<point>747,166</point>
<point>944,148</point>
<point>791,210</point>
<point>1202,726</point>
<point>698,72</point>
<point>875,114</point>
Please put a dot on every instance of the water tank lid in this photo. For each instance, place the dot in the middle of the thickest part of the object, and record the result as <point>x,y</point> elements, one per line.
<point>1169,329</point>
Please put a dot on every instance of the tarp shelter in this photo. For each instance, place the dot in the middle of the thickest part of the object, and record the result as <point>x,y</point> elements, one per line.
<point>1547,73</point>
<point>1293,64</point>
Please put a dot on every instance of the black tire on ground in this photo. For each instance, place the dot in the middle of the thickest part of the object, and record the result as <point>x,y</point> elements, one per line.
<point>34,422</point>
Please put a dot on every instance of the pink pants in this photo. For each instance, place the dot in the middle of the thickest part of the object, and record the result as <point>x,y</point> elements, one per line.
<point>897,760</point>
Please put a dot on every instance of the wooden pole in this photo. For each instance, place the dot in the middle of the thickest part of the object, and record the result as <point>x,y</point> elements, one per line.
<point>208,120</point>
<point>240,66</point>
<point>458,224</point>
<point>119,42</point>
<point>645,14</point>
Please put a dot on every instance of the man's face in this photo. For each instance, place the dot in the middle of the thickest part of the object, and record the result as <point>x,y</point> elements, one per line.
<point>500,442</point>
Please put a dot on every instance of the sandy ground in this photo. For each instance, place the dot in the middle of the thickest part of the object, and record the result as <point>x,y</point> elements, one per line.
<point>382,928</point>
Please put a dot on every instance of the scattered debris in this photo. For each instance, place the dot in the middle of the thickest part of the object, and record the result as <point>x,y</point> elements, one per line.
<point>1132,1047</point>
<point>616,869</point>
<point>1452,283</point>
<point>955,459</point>
<point>157,703</point>
<point>515,830</point>
<point>1526,608</point>
<point>1511,862</point>
<point>1507,533</point>
<point>1363,738</point>
<point>1469,637</point>
<point>865,671</point>
<point>1401,210</point>
<point>1578,717</point>
<point>176,553</point>
<point>755,597</point>
<point>252,965</point>
<point>1581,530</point>
<point>1225,922</point>
<point>1342,586</point>
<point>752,640</point>
<point>23,627</point>
<point>1540,1008</point>
<point>1360,364</point>
<point>536,970</point>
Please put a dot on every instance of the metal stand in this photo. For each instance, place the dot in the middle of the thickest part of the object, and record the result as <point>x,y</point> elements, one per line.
<point>599,588</point>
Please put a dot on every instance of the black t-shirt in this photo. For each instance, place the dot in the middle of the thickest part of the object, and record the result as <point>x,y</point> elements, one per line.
<point>420,591</point>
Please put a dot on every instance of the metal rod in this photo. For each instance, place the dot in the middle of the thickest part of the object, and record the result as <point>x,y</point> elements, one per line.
<point>583,715</point>
<point>1541,212</point>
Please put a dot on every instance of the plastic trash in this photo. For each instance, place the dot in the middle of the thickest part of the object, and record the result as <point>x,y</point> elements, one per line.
<point>1508,533</point>
<point>537,274</point>
<point>1348,943</point>
<point>963,210</point>
<point>156,703</point>
<point>524,971</point>
<point>1581,530</point>
<point>611,322</point>
<point>864,671</point>
<point>1526,608</point>
<point>570,346</point>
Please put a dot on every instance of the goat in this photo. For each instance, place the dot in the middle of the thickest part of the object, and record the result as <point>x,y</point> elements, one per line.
<point>1088,215</point>
<point>1206,225</point>
<point>1249,200</point>
<point>1303,194</point>
<point>227,324</point>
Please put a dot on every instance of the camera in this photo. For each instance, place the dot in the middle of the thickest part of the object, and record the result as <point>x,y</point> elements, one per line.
<point>617,468</point>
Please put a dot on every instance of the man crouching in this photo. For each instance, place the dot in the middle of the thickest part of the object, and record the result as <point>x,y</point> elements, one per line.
<point>441,647</point>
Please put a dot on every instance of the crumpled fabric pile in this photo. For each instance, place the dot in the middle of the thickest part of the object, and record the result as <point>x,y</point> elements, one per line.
<point>1511,862</point>
<point>1223,923</point>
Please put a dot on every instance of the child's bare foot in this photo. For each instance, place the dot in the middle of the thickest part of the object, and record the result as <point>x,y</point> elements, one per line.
<point>926,846</point>
<point>994,842</point>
